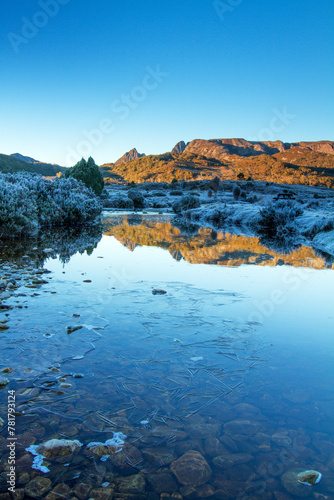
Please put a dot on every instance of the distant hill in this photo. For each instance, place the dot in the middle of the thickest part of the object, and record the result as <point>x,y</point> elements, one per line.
<point>28,159</point>
<point>131,155</point>
<point>10,163</point>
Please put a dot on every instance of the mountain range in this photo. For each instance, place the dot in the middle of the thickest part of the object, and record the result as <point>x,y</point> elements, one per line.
<point>229,159</point>
<point>310,163</point>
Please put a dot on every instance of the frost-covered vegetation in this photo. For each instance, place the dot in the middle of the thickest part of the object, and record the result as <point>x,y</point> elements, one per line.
<point>277,220</point>
<point>186,203</point>
<point>28,202</point>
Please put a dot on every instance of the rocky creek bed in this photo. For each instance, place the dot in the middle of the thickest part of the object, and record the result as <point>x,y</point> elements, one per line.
<point>150,395</point>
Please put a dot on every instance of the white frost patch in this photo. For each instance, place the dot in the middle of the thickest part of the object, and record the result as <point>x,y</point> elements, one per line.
<point>38,460</point>
<point>117,441</point>
<point>324,242</point>
<point>198,358</point>
<point>144,422</point>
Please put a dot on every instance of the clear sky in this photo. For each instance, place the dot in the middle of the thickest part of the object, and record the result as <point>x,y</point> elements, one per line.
<point>82,78</point>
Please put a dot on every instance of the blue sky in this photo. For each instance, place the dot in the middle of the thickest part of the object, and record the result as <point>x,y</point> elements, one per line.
<point>81,78</point>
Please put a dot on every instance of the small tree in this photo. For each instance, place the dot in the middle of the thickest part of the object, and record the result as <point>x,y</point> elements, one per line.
<point>89,173</point>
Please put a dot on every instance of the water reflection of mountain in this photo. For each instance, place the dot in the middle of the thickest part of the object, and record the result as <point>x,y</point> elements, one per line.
<point>208,246</point>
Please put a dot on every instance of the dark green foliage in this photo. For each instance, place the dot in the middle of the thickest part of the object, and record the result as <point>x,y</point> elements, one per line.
<point>89,173</point>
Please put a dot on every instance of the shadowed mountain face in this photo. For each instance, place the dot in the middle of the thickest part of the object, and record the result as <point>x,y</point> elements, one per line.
<point>180,147</point>
<point>28,159</point>
<point>222,149</point>
<point>13,163</point>
<point>207,246</point>
<point>131,155</point>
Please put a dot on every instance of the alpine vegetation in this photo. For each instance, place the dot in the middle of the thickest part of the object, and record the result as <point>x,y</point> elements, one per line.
<point>277,220</point>
<point>30,202</point>
<point>89,173</point>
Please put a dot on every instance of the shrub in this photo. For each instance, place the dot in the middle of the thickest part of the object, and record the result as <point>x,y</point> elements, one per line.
<point>137,198</point>
<point>186,203</point>
<point>29,202</point>
<point>236,192</point>
<point>120,202</point>
<point>276,220</point>
<point>216,217</point>
<point>159,193</point>
<point>89,173</point>
<point>176,193</point>
<point>214,184</point>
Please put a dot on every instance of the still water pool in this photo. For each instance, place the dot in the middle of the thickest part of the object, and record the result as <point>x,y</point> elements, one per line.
<point>195,365</point>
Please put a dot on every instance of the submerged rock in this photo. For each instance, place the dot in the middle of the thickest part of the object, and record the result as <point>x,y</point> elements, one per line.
<point>82,491</point>
<point>243,427</point>
<point>58,492</point>
<point>133,484</point>
<point>58,447</point>
<point>191,469</point>
<point>290,480</point>
<point>37,487</point>
<point>231,459</point>
<point>309,477</point>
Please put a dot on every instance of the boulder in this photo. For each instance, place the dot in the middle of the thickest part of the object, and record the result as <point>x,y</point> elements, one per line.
<point>191,469</point>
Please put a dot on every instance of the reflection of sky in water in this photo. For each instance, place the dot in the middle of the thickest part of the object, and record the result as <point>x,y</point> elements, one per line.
<point>298,299</point>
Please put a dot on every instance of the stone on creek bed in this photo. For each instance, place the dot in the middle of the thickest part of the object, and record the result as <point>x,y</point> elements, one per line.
<point>191,469</point>
<point>58,447</point>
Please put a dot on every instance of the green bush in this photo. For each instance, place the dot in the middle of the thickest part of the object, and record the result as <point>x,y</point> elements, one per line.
<point>89,173</point>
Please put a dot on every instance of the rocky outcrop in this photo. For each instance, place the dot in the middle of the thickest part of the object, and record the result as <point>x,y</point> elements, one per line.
<point>223,149</point>
<point>180,147</point>
<point>131,155</point>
